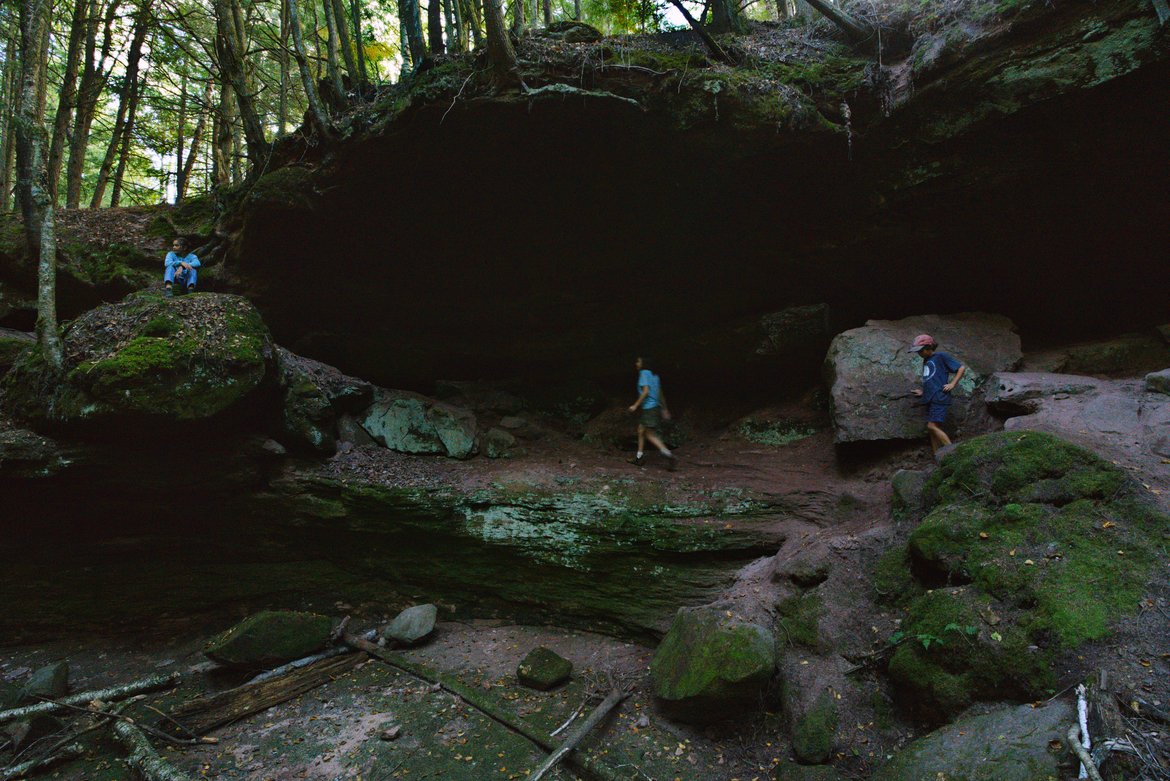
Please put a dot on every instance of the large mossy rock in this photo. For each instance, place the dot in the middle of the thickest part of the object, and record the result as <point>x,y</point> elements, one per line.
<point>1013,743</point>
<point>188,358</point>
<point>270,638</point>
<point>25,453</point>
<point>542,669</point>
<point>314,397</point>
<point>1029,547</point>
<point>12,344</point>
<point>712,666</point>
<point>871,375</point>
<point>410,423</point>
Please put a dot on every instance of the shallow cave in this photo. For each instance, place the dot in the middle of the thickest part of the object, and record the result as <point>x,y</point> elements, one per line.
<point>558,240</point>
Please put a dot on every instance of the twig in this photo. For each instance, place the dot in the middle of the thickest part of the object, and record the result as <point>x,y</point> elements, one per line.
<point>561,728</point>
<point>599,713</point>
<point>153,683</point>
<point>457,94</point>
<point>28,768</point>
<point>1074,744</point>
<point>119,717</point>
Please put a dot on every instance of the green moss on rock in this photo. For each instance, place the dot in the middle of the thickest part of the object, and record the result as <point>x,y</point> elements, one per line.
<point>270,638</point>
<point>543,669</point>
<point>813,733</point>
<point>799,619</point>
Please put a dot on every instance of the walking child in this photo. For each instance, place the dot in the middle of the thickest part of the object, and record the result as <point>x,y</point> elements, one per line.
<point>936,386</point>
<point>654,411</point>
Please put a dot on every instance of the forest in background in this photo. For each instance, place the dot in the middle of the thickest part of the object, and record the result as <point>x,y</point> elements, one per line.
<point>151,101</point>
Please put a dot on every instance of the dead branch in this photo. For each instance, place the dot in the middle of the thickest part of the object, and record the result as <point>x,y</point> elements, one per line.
<point>1074,743</point>
<point>153,683</point>
<point>34,765</point>
<point>712,45</point>
<point>853,29</point>
<point>143,757</point>
<point>589,767</point>
<point>204,714</point>
<point>599,713</point>
<point>566,89</point>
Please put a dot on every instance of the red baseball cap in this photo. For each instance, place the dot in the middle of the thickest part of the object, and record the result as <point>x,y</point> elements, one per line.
<point>920,341</point>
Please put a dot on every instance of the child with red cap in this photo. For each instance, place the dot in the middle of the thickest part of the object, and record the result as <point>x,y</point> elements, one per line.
<point>936,386</point>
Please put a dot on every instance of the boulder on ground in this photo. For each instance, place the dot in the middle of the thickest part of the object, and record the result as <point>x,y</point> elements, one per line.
<point>1047,545</point>
<point>50,681</point>
<point>187,358</point>
<point>543,669</point>
<point>412,624</point>
<point>871,374</point>
<point>907,485</point>
<point>498,443</point>
<point>815,730</point>
<point>9,695</point>
<point>411,423</point>
<point>712,666</point>
<point>25,453</point>
<point>571,31</point>
<point>270,638</point>
<point>314,396</point>
<point>1009,743</point>
<point>1158,382</point>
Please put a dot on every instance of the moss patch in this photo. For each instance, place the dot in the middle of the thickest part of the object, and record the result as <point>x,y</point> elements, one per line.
<point>799,619</point>
<point>813,733</point>
<point>1033,547</point>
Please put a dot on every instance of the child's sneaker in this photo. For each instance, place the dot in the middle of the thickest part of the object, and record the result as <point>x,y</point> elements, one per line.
<point>671,463</point>
<point>168,292</point>
<point>636,460</point>
<point>190,288</point>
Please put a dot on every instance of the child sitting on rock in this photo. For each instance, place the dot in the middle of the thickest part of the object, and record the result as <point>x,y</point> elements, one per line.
<point>180,266</point>
<point>936,386</point>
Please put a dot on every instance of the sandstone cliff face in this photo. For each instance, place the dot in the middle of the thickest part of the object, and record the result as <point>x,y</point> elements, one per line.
<point>995,166</point>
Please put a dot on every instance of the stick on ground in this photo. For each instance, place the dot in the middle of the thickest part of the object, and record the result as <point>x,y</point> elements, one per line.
<point>143,757</point>
<point>153,683</point>
<point>596,717</point>
<point>35,765</point>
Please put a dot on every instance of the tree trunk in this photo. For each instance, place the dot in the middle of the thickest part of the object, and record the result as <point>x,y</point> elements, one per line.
<point>331,62</point>
<point>409,12</point>
<point>40,237</point>
<point>93,82</point>
<point>315,107</point>
<point>359,50</point>
<point>518,20</point>
<point>232,44</point>
<point>403,38</point>
<point>11,98</point>
<point>127,135</point>
<point>180,130</point>
<point>454,27</point>
<point>712,45</point>
<point>577,10</point>
<point>346,44</point>
<point>546,6</point>
<point>196,140</point>
<point>475,7</point>
<point>435,26</point>
<point>66,100</point>
<point>282,109</point>
<point>223,135</point>
<point>127,104</point>
<point>853,29</point>
<point>501,55</point>
<point>726,17</point>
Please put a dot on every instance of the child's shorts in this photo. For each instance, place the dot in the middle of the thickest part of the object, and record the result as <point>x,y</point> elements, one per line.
<point>936,412</point>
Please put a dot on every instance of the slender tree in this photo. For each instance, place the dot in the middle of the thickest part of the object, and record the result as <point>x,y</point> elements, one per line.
<point>435,26</point>
<point>332,66</point>
<point>94,77</point>
<point>67,98</point>
<point>11,98</point>
<point>501,55</point>
<point>316,110</point>
<point>37,206</point>
<point>347,49</point>
<point>231,43</point>
<point>359,47</point>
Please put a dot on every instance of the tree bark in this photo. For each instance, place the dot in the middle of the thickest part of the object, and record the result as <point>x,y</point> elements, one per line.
<point>726,17</point>
<point>546,6</point>
<point>347,53</point>
<point>359,50</point>
<point>518,20</point>
<point>232,45</point>
<point>127,135</point>
<point>315,107</point>
<point>453,26</point>
<point>67,99</point>
<point>180,131</point>
<point>853,29</point>
<point>501,55</point>
<point>196,140</point>
<point>576,10</point>
<point>11,96</point>
<point>282,106</point>
<point>476,21</point>
<point>127,105</point>
<point>435,26</point>
<point>409,17</point>
<point>93,82</point>
<point>331,62</point>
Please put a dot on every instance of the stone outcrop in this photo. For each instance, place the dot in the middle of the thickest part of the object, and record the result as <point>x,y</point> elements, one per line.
<point>412,423</point>
<point>871,374</point>
<point>1009,743</point>
<point>712,666</point>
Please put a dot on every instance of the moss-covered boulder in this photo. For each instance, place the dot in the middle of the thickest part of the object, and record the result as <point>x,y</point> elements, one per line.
<point>50,681</point>
<point>712,666</point>
<point>25,453</point>
<point>542,668</point>
<point>270,638</point>
<point>1015,743</point>
<point>1029,547</point>
<point>186,358</point>
<point>314,396</point>
<point>814,731</point>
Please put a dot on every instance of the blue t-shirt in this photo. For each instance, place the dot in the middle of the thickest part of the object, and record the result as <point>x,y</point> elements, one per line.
<point>936,371</point>
<point>650,379</point>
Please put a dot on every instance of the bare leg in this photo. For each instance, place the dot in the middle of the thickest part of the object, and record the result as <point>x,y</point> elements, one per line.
<point>641,438</point>
<point>938,437</point>
<point>656,442</point>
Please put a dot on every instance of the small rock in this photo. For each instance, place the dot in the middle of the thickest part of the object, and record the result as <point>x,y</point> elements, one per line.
<point>498,443</point>
<point>272,447</point>
<point>543,669</point>
<point>1159,382</point>
<point>412,624</point>
<point>512,422</point>
<point>50,681</point>
<point>392,733</point>
<point>643,721</point>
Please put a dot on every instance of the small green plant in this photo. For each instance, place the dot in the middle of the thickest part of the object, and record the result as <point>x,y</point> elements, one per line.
<point>927,639</point>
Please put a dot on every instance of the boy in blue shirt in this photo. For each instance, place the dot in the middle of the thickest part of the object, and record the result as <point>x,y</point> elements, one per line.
<point>936,386</point>
<point>180,265</point>
<point>654,411</point>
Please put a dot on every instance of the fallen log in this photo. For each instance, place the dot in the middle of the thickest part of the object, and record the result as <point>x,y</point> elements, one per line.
<point>143,757</point>
<point>596,717</point>
<point>585,766</point>
<point>204,714</point>
<point>153,683</point>
<point>35,765</point>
